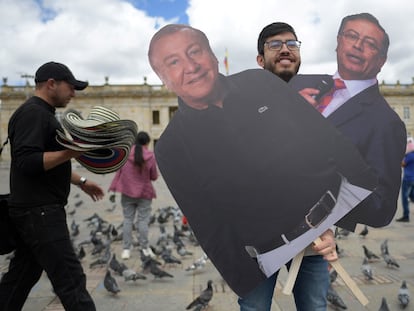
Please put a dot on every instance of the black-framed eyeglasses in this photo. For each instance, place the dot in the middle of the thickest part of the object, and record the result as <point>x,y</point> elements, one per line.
<point>276,45</point>
<point>367,42</point>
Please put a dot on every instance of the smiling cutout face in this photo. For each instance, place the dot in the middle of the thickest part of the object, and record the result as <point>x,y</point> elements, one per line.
<point>283,63</point>
<point>185,63</point>
<point>360,54</point>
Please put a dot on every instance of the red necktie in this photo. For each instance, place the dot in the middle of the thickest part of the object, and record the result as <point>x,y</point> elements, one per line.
<point>325,100</point>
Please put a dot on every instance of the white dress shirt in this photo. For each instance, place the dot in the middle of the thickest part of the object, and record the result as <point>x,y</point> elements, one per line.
<point>353,87</point>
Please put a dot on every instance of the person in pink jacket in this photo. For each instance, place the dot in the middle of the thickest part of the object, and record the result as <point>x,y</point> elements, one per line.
<point>134,181</point>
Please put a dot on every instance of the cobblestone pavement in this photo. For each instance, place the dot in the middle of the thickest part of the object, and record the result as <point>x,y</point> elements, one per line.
<point>176,293</point>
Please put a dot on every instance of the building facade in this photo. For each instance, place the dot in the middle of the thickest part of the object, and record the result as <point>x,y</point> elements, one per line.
<point>152,106</point>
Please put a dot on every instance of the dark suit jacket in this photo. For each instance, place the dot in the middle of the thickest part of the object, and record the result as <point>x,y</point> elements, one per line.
<point>250,171</point>
<point>380,136</point>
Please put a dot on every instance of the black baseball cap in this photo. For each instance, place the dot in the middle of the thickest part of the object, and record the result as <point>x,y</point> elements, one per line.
<point>58,72</point>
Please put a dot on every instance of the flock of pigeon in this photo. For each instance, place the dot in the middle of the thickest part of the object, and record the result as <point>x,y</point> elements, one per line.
<point>402,293</point>
<point>167,245</point>
<point>172,248</point>
<point>169,249</point>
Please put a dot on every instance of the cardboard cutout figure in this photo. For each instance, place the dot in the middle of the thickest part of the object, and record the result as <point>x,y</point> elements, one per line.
<point>371,124</point>
<point>257,171</point>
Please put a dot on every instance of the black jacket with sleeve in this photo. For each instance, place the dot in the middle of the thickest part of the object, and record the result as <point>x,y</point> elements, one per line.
<point>32,131</point>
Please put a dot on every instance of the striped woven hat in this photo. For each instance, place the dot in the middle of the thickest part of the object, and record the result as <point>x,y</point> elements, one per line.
<point>97,116</point>
<point>105,139</point>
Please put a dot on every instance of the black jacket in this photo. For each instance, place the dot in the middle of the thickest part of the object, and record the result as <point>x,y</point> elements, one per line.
<point>32,131</point>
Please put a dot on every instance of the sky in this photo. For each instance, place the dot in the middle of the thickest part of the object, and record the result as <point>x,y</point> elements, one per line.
<point>109,38</point>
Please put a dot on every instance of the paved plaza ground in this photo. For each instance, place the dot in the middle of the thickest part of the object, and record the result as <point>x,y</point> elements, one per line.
<point>176,293</point>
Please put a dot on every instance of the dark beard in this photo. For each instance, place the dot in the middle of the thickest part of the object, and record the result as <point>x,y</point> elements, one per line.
<point>285,75</point>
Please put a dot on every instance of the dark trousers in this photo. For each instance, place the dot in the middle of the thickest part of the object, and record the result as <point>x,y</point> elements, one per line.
<point>44,245</point>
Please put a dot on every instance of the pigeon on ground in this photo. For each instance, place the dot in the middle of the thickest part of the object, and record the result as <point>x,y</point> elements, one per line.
<point>163,238</point>
<point>366,270</point>
<point>203,300</point>
<point>153,266</point>
<point>156,271</point>
<point>81,253</point>
<point>369,254</point>
<point>112,198</point>
<point>182,251</point>
<point>178,231</point>
<point>95,220</point>
<point>339,251</point>
<point>111,209</point>
<point>72,212</point>
<point>168,257</point>
<point>164,214</point>
<point>384,247</point>
<point>152,219</point>
<point>103,260</point>
<point>403,295</point>
<point>94,215</point>
<point>115,265</point>
<point>74,227</point>
<point>198,264</point>
<point>333,275</point>
<point>147,260</point>
<point>384,305</point>
<point>177,239</point>
<point>364,232</point>
<point>390,261</point>
<point>98,244</point>
<point>341,233</point>
<point>131,275</point>
<point>110,283</point>
<point>333,298</point>
<point>110,231</point>
<point>97,262</point>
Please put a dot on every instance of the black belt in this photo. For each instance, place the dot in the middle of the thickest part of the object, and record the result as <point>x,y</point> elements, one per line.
<point>316,215</point>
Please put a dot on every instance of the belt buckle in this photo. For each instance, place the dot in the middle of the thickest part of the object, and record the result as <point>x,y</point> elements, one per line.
<point>328,194</point>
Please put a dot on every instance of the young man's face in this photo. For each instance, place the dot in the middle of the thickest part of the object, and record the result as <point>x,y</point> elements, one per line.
<point>60,93</point>
<point>359,50</point>
<point>186,65</point>
<point>284,63</point>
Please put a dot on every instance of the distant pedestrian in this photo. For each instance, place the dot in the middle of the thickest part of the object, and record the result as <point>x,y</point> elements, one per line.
<point>134,182</point>
<point>407,186</point>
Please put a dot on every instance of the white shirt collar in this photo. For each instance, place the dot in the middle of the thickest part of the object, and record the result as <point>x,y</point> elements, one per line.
<point>353,87</point>
<point>356,86</point>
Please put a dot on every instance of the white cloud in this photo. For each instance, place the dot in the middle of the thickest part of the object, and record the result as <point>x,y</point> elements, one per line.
<point>236,25</point>
<point>98,38</point>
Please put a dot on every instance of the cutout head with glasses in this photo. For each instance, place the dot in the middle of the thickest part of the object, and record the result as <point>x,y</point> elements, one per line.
<point>362,46</point>
<point>278,50</point>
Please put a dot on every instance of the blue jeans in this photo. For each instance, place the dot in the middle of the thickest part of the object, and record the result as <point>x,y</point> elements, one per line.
<point>407,187</point>
<point>310,288</point>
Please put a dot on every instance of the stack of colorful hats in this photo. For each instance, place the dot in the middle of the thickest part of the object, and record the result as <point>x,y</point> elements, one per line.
<point>105,139</point>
